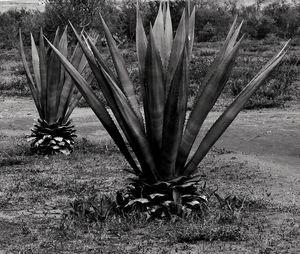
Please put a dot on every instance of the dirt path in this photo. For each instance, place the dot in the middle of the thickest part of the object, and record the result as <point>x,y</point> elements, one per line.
<point>270,138</point>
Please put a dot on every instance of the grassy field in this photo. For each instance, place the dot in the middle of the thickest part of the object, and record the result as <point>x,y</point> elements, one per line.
<point>254,166</point>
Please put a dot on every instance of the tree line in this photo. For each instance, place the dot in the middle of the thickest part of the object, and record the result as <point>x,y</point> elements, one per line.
<point>280,18</point>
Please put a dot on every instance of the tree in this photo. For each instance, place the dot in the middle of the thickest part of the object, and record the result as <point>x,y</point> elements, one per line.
<point>82,13</point>
<point>286,17</point>
<point>12,20</point>
<point>231,6</point>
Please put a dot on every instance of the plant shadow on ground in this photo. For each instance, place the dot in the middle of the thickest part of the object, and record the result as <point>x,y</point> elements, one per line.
<point>36,215</point>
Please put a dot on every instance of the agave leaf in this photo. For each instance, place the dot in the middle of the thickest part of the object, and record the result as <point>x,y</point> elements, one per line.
<point>275,57</point>
<point>195,179</point>
<point>155,98</point>
<point>233,39</point>
<point>137,200</point>
<point>79,61</point>
<point>31,84</point>
<point>191,34</point>
<point>162,185</point>
<point>167,203</point>
<point>185,185</point>
<point>168,34</point>
<point>125,82</point>
<point>164,10</point>
<point>53,80</point>
<point>158,28</point>
<point>193,203</point>
<point>63,48</point>
<point>220,56</point>
<point>106,83</point>
<point>177,49</point>
<point>43,71</point>
<point>76,98</point>
<point>94,64</point>
<point>36,66</point>
<point>203,197</point>
<point>174,119</point>
<point>155,195</point>
<point>177,200</point>
<point>141,45</point>
<point>98,70</point>
<point>73,103</point>
<point>67,89</point>
<point>100,60</point>
<point>135,131</point>
<point>188,4</point>
<point>217,61</point>
<point>130,124</point>
<point>229,115</point>
<point>56,38</point>
<point>83,62</point>
<point>159,35</point>
<point>98,108</point>
<point>179,179</point>
<point>204,104</point>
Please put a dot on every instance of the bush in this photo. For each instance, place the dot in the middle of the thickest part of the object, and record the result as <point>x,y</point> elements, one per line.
<point>212,22</point>
<point>12,20</point>
<point>278,89</point>
<point>259,27</point>
<point>198,68</point>
<point>207,33</point>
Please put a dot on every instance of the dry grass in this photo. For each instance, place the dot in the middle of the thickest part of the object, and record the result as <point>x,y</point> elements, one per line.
<point>35,196</point>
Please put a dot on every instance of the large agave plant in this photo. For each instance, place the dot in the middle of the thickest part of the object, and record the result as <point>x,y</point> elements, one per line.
<point>54,94</point>
<point>161,138</point>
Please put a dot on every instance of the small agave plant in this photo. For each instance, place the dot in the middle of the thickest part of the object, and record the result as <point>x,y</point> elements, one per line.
<point>161,138</point>
<point>54,94</point>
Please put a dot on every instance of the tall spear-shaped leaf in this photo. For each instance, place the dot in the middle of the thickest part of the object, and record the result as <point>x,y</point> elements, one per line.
<point>163,32</point>
<point>213,87</point>
<point>154,91</point>
<point>161,144</point>
<point>125,83</point>
<point>33,89</point>
<point>230,113</point>
<point>174,118</point>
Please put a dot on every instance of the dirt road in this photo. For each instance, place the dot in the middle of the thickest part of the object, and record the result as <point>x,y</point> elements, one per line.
<point>267,137</point>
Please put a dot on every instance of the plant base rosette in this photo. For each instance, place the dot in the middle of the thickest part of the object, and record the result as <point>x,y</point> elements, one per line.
<point>163,199</point>
<point>54,138</point>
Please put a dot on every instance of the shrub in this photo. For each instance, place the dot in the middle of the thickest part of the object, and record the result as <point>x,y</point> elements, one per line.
<point>12,20</point>
<point>278,89</point>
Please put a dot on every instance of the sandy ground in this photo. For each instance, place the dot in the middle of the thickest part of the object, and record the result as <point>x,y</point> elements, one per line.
<point>269,138</point>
